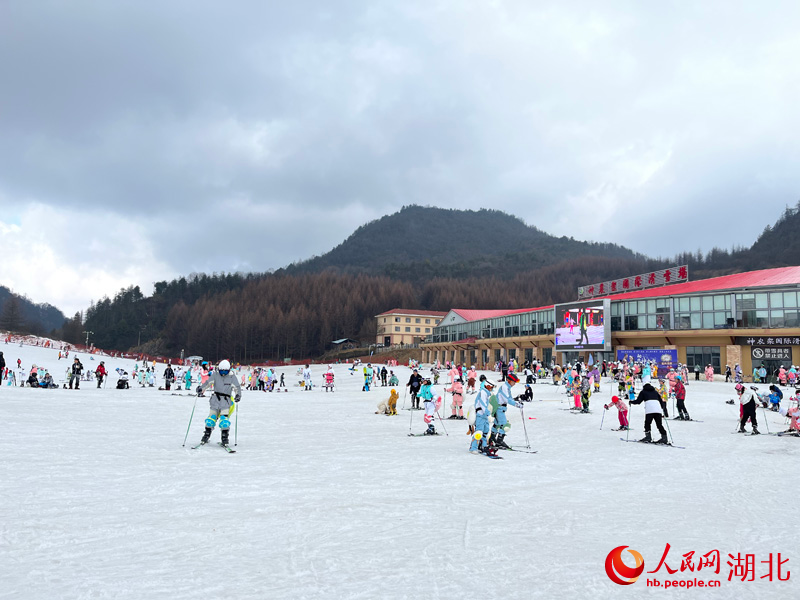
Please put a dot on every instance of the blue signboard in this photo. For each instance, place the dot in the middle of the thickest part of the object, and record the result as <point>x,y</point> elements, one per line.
<point>665,359</point>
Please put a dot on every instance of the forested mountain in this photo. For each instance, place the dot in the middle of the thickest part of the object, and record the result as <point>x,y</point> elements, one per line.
<point>424,258</point>
<point>21,315</point>
<point>419,243</point>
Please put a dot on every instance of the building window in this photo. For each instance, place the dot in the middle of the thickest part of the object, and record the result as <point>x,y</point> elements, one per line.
<point>397,329</point>
<point>702,356</point>
<point>417,320</point>
<point>427,321</point>
<point>397,319</point>
<point>408,319</point>
<point>427,330</point>
<point>416,330</point>
<point>408,329</point>
<point>436,322</point>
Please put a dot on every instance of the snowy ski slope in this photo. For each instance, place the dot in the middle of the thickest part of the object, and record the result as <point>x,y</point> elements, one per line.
<point>325,499</point>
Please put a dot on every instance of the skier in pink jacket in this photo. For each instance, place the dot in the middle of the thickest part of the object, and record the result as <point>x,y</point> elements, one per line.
<point>622,409</point>
<point>457,389</point>
<point>472,377</point>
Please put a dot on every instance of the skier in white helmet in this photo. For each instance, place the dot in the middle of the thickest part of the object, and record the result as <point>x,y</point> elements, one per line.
<point>221,400</point>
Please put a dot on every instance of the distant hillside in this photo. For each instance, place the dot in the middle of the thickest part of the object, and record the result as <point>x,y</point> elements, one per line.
<point>19,314</point>
<point>419,243</point>
<point>425,258</point>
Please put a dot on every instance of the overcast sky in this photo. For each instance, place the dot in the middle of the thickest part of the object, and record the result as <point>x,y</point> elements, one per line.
<point>147,140</point>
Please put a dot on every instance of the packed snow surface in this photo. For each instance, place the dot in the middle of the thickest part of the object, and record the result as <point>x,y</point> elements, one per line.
<point>326,499</point>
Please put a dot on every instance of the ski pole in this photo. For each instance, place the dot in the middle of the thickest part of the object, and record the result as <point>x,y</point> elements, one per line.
<point>628,430</point>
<point>605,410</point>
<point>236,429</point>
<point>669,431</point>
<point>765,418</point>
<point>411,419</point>
<point>525,427</point>
<point>405,391</point>
<point>442,423</point>
<point>190,421</point>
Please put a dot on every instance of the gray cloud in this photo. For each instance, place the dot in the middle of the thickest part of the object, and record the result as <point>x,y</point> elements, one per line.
<point>672,126</point>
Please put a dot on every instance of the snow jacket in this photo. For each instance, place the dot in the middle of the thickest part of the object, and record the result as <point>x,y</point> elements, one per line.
<point>457,389</point>
<point>651,398</point>
<point>746,397</point>
<point>504,396</point>
<point>169,374</point>
<point>482,401</point>
<point>414,382</point>
<point>223,385</point>
<point>680,390</point>
<point>621,406</point>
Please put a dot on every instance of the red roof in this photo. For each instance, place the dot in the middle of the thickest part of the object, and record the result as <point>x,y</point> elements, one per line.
<point>752,279</point>
<point>413,312</point>
<point>477,315</point>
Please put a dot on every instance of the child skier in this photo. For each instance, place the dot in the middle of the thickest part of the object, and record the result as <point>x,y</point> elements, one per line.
<point>482,412</point>
<point>662,391</point>
<point>504,398</point>
<point>622,412</point>
<point>393,380</point>
<point>457,389</point>
<point>586,393</point>
<point>388,406</point>
<point>747,400</point>
<point>527,395</point>
<point>775,397</point>
<point>329,381</point>
<point>680,396</point>
<point>472,377</point>
<point>431,404</point>
<point>221,400</point>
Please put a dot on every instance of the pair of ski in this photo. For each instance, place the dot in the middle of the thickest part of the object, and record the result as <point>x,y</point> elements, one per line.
<point>653,443</point>
<point>227,448</point>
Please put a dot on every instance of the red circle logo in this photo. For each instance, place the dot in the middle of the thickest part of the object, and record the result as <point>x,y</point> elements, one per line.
<point>618,571</point>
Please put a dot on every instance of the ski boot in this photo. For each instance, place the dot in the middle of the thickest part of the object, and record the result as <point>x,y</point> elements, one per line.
<point>755,431</point>
<point>686,417</point>
<point>646,438</point>
<point>225,433</point>
<point>431,430</point>
<point>206,435</point>
<point>501,441</point>
<point>663,439</point>
<point>741,429</point>
<point>489,450</point>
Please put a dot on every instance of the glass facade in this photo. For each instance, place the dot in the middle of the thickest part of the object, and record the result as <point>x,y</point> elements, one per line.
<point>768,309</point>
<point>702,356</point>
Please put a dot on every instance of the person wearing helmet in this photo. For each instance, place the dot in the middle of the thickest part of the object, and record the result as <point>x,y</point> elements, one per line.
<point>100,372</point>
<point>472,377</point>
<point>525,396</point>
<point>622,412</point>
<point>307,384</point>
<point>680,396</point>
<point>479,442</point>
<point>430,402</point>
<point>747,400</point>
<point>652,408</point>
<point>221,401</point>
<point>457,389</point>
<point>504,398</point>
